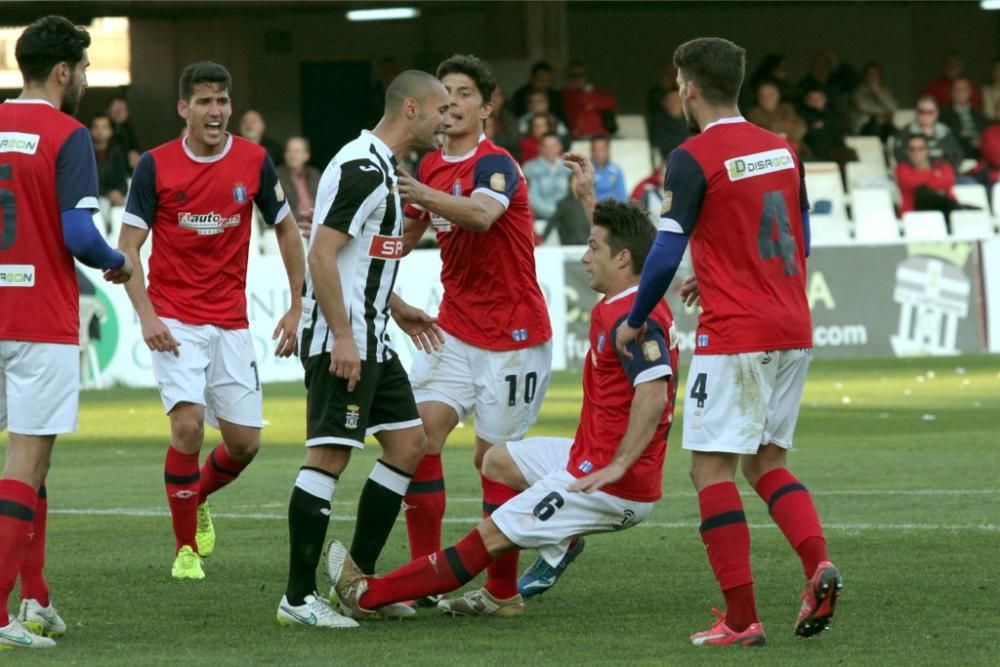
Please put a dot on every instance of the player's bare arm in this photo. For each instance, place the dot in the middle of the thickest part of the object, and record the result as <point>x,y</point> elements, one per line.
<point>293,257</point>
<point>415,323</point>
<point>476,213</point>
<point>345,362</point>
<point>413,230</point>
<point>583,183</point>
<point>154,332</point>
<point>648,404</point>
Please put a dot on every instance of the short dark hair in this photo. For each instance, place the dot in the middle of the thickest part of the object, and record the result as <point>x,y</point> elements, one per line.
<point>46,43</point>
<point>600,137</point>
<point>204,72</point>
<point>540,66</point>
<point>98,116</point>
<point>716,66</point>
<point>629,227</point>
<point>474,68</point>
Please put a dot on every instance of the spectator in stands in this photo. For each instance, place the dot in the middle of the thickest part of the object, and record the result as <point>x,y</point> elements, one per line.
<point>941,143</point>
<point>252,127</point>
<point>501,126</point>
<point>940,88</point>
<point>547,178</point>
<point>609,180</point>
<point>590,111</point>
<point>541,79</point>
<point>124,135</point>
<point>112,167</point>
<point>771,113</point>
<point>649,193</point>
<point>989,165</point>
<point>299,180</point>
<point>925,184</point>
<point>833,77</point>
<point>771,69</point>
<point>668,128</point>
<point>569,219</point>
<point>530,144</point>
<point>991,95</point>
<point>965,121</point>
<point>654,96</point>
<point>825,129</point>
<point>873,105</point>
<point>538,102</point>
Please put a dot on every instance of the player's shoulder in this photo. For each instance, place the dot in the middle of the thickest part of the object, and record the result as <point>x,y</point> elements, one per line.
<point>490,152</point>
<point>168,149</point>
<point>245,148</point>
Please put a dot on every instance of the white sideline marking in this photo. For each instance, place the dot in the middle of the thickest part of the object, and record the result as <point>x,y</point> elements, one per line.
<point>848,527</point>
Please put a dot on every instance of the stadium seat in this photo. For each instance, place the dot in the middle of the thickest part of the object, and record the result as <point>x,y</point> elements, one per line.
<point>903,117</point>
<point>971,225</point>
<point>869,150</point>
<point>631,126</point>
<point>867,175</point>
<point>825,189</point>
<point>924,226</point>
<point>966,166</point>
<point>826,230</point>
<point>972,194</point>
<point>871,202</point>
<point>877,228</point>
<point>995,199</point>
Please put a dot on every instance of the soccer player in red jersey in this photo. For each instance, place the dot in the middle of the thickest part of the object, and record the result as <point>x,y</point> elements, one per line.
<point>497,357</point>
<point>48,194</point>
<point>197,194</point>
<point>738,192</point>
<point>605,479</point>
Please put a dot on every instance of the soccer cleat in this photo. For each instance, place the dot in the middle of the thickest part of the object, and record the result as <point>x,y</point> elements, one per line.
<point>481,603</point>
<point>721,634</point>
<point>429,601</point>
<point>819,600</point>
<point>204,537</point>
<point>349,582</point>
<point>44,621</point>
<point>396,611</point>
<point>187,565</point>
<point>541,576</point>
<point>15,635</point>
<point>315,613</point>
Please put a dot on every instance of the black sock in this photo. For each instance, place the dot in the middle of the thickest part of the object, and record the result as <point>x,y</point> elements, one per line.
<point>308,518</point>
<point>377,512</point>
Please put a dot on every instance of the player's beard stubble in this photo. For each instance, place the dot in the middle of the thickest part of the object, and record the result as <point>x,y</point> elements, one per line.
<point>71,100</point>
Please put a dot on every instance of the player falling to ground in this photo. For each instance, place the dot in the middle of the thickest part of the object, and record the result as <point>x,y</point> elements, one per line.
<point>48,194</point>
<point>605,479</point>
<point>197,194</point>
<point>738,193</point>
<point>355,382</point>
<point>497,358</point>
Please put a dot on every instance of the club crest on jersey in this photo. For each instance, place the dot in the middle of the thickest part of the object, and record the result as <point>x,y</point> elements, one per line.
<point>456,189</point>
<point>585,467</point>
<point>351,418</point>
<point>498,182</point>
<point>668,200</point>
<point>239,193</point>
<point>650,350</point>
<point>702,340</point>
<point>600,343</point>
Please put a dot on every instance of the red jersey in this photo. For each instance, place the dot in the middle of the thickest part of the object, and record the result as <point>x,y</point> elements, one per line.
<point>609,382</point>
<point>491,295</point>
<point>200,210</point>
<point>739,191</point>
<point>47,165</point>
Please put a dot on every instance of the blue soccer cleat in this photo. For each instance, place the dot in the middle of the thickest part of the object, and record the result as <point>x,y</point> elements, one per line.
<point>541,576</point>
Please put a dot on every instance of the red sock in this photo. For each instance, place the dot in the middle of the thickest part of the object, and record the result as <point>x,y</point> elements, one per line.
<point>219,469</point>
<point>33,584</point>
<point>727,541</point>
<point>181,477</point>
<point>440,572</point>
<point>17,511</point>
<point>424,503</point>
<point>791,507</point>
<point>501,575</point>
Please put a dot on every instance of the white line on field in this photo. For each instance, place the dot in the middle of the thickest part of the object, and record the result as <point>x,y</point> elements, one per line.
<point>848,527</point>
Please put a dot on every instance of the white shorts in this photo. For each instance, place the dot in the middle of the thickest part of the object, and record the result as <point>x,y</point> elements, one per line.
<point>39,387</point>
<point>737,402</point>
<point>217,368</point>
<point>546,516</point>
<point>503,389</point>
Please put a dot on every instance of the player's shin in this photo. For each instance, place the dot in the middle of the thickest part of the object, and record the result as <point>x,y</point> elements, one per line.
<point>182,480</point>
<point>219,469</point>
<point>17,509</point>
<point>791,506</point>
<point>308,519</point>
<point>726,537</point>
<point>378,509</point>
<point>501,575</point>
<point>33,584</point>
<point>424,505</point>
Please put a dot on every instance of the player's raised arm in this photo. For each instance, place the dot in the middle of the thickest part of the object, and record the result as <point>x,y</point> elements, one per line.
<point>496,180</point>
<point>583,182</point>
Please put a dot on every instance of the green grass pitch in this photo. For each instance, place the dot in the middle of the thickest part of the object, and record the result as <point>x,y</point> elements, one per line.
<point>902,456</point>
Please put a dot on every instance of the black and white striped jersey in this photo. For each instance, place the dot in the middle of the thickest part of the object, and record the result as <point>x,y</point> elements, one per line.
<point>358,196</point>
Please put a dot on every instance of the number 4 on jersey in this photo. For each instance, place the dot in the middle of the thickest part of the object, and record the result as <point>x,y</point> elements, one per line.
<point>775,215</point>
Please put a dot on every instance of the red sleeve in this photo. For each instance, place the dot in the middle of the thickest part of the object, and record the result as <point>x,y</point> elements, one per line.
<point>911,178</point>
<point>410,210</point>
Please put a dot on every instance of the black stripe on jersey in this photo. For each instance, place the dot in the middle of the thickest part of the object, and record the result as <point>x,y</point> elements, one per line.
<point>307,332</point>
<point>358,180</point>
<point>374,280</point>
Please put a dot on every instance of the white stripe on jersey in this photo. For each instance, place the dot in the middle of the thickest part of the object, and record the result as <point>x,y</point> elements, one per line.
<point>368,263</point>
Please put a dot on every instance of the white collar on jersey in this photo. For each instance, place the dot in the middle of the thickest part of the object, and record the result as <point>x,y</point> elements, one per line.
<point>31,101</point>
<point>725,121</point>
<point>381,145</point>
<point>208,158</point>
<point>622,295</point>
<point>463,158</point>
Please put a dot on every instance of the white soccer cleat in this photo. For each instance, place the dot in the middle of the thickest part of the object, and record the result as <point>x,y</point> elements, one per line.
<point>15,635</point>
<point>315,613</point>
<point>44,621</point>
<point>349,582</point>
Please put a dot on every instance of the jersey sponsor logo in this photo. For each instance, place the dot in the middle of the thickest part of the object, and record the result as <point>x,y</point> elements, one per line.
<point>351,418</point>
<point>498,182</point>
<point>386,247</point>
<point>668,200</point>
<point>758,164</point>
<point>17,275</point>
<point>650,350</point>
<point>585,467</point>
<point>441,225</point>
<point>628,519</point>
<point>207,224</point>
<point>519,335</point>
<point>239,193</point>
<point>18,142</point>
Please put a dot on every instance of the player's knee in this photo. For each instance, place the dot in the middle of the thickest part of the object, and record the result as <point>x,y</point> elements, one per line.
<point>492,465</point>
<point>187,432</point>
<point>244,449</point>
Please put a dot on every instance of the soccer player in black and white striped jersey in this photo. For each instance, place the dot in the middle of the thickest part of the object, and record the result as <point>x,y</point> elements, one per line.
<point>356,385</point>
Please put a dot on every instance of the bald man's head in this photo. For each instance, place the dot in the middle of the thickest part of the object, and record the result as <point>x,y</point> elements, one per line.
<point>410,84</point>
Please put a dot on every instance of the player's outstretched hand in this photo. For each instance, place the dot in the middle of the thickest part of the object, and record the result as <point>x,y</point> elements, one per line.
<point>600,478</point>
<point>410,189</point>
<point>626,335</point>
<point>288,330</point>
<point>419,326</point>
<point>583,169</point>
<point>689,291</point>
<point>120,275</point>
<point>157,336</point>
<point>345,362</point>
